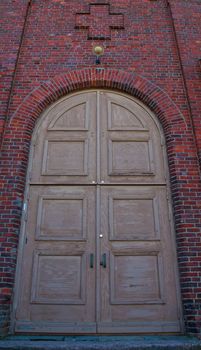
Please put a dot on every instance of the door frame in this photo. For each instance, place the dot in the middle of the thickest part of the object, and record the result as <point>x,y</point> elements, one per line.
<point>22,236</point>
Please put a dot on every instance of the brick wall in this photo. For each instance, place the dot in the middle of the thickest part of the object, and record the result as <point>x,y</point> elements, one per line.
<point>47,52</point>
<point>186,19</point>
<point>12,20</point>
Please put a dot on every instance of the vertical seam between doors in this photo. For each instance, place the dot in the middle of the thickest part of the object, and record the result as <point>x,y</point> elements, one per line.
<point>97,208</point>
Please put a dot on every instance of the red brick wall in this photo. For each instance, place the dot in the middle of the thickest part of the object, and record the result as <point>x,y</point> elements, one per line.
<point>186,17</point>
<point>158,52</point>
<point>12,20</point>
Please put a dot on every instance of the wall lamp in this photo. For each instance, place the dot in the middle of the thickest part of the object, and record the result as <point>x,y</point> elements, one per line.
<point>98,51</point>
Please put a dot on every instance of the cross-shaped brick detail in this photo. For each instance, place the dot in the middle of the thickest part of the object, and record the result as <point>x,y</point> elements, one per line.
<point>99,21</point>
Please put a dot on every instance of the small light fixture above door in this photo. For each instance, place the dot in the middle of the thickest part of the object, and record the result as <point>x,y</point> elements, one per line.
<point>98,50</point>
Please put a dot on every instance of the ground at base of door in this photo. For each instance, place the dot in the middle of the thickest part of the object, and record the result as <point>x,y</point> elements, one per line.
<point>100,343</point>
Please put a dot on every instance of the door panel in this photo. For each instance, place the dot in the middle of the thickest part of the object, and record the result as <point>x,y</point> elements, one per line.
<point>56,262</point>
<point>62,217</point>
<point>58,279</point>
<point>65,156</point>
<point>127,219</point>
<point>128,156</point>
<point>135,278</point>
<point>74,116</point>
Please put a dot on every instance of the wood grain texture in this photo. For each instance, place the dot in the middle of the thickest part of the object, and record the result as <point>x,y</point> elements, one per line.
<point>97,190</point>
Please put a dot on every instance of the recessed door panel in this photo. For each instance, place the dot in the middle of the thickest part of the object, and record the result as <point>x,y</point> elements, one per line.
<point>127,219</point>
<point>65,157</point>
<point>62,217</point>
<point>71,117</point>
<point>58,279</point>
<point>128,156</point>
<point>135,278</point>
<point>123,118</point>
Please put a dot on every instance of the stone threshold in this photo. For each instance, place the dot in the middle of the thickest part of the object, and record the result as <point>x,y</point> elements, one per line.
<point>100,343</point>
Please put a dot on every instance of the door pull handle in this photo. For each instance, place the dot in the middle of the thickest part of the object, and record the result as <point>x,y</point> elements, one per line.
<point>91,263</point>
<point>103,261</point>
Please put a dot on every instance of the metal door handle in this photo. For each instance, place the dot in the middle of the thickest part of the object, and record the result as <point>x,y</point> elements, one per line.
<point>103,261</point>
<point>91,261</point>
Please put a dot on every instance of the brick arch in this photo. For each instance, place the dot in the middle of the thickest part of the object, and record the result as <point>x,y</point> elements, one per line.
<point>154,97</point>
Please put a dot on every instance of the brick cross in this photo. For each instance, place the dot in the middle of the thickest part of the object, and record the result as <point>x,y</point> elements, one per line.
<point>99,21</point>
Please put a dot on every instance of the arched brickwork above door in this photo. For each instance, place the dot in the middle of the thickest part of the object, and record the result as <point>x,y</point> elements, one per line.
<point>149,93</point>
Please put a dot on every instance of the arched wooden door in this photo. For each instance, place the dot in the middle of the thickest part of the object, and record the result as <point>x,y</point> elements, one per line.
<point>98,252</point>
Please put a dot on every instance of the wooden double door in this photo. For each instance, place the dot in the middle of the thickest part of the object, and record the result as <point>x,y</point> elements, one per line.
<point>97,249</point>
